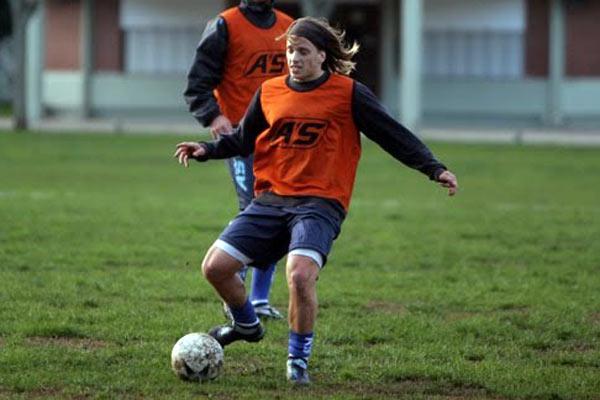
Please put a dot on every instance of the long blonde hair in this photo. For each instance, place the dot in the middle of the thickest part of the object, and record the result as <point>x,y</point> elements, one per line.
<point>328,39</point>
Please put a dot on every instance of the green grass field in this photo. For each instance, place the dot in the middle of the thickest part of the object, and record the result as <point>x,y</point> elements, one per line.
<point>494,294</point>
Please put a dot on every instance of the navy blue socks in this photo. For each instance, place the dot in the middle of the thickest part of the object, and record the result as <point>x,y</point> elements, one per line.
<point>300,345</point>
<point>244,317</point>
<point>261,285</point>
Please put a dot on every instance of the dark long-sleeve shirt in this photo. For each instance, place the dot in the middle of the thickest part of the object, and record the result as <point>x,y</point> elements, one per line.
<point>209,63</point>
<point>369,115</point>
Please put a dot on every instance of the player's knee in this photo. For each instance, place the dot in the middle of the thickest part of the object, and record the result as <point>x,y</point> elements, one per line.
<point>211,270</point>
<point>301,276</point>
<point>218,266</point>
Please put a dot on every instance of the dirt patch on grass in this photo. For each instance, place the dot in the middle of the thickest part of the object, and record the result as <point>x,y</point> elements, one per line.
<point>39,393</point>
<point>580,347</point>
<point>595,317</point>
<point>45,393</point>
<point>453,316</point>
<point>386,307</point>
<point>514,308</point>
<point>431,387</point>
<point>405,388</point>
<point>68,342</point>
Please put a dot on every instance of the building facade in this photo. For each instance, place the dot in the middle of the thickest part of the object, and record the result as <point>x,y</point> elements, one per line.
<point>431,61</point>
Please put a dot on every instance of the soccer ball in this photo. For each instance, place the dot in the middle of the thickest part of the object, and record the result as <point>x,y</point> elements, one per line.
<point>197,357</point>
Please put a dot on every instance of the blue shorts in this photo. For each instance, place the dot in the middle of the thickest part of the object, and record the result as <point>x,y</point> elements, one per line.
<point>265,233</point>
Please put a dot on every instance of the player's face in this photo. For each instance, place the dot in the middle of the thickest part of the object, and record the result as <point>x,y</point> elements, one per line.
<point>304,60</point>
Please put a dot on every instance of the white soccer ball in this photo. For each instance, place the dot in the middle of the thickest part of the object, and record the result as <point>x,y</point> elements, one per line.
<point>197,357</point>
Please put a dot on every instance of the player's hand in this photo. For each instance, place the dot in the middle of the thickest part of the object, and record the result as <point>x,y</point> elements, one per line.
<point>220,126</point>
<point>185,150</point>
<point>448,180</point>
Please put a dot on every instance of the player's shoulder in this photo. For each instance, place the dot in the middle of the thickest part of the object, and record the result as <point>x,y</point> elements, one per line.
<point>232,12</point>
<point>342,81</point>
<point>343,78</point>
<point>277,81</point>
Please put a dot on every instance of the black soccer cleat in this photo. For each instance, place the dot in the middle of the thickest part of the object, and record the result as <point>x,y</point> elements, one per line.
<point>227,334</point>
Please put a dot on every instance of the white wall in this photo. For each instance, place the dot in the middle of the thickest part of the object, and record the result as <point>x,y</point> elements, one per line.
<point>161,35</point>
<point>168,13</point>
<point>474,38</point>
<point>475,15</point>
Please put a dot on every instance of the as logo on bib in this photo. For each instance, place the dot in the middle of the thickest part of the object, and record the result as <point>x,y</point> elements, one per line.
<point>267,63</point>
<point>298,132</point>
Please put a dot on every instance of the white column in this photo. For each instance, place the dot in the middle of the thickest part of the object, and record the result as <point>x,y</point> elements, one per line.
<point>389,54</point>
<point>86,57</point>
<point>556,64</point>
<point>34,65</point>
<point>411,17</point>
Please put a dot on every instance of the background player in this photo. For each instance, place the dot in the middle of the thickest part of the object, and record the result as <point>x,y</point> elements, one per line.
<point>237,52</point>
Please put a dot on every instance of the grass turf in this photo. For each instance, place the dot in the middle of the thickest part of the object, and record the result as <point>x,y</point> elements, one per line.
<point>492,294</point>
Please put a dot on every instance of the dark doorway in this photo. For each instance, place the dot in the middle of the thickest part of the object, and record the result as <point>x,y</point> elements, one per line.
<point>361,22</point>
<point>291,9</point>
<point>5,19</point>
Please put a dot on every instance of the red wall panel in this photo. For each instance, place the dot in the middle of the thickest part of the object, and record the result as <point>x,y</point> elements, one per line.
<point>582,38</point>
<point>108,37</point>
<point>62,34</point>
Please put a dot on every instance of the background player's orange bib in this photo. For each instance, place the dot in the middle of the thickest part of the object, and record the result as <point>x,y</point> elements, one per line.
<point>253,55</point>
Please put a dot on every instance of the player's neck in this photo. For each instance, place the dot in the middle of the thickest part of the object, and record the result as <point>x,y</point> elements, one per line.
<point>257,6</point>
<point>259,14</point>
<point>307,85</point>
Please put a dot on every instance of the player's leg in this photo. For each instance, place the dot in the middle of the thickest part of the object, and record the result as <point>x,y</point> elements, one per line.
<point>237,168</point>
<point>240,169</point>
<point>258,233</point>
<point>222,271</point>
<point>312,236</point>
<point>220,267</point>
<point>302,272</point>
<point>262,280</point>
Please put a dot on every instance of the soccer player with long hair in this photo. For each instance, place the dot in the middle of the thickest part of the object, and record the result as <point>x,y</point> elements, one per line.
<point>304,131</point>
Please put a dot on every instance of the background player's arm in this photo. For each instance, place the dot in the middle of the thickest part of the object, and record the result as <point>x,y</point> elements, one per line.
<point>239,143</point>
<point>377,124</point>
<point>205,75</point>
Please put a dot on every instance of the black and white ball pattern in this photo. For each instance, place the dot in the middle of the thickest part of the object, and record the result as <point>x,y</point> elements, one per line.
<point>197,357</point>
